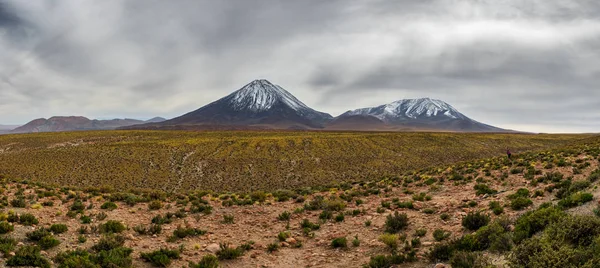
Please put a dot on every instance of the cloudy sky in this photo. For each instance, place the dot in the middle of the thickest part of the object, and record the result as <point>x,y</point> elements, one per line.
<point>531,65</point>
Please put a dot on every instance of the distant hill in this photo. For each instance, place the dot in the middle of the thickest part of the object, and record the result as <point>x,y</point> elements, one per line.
<point>75,123</point>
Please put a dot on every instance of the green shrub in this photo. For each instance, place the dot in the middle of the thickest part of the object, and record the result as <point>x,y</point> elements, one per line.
<point>155,205</point>
<point>228,219</point>
<point>117,257</point>
<point>228,253</point>
<point>496,207</point>
<point>272,247</point>
<point>161,257</point>
<point>6,227</point>
<point>534,221</point>
<point>109,205</point>
<point>28,256</point>
<point>307,224</point>
<point>441,252</point>
<point>75,259</point>
<point>109,242</point>
<point>482,189</point>
<point>18,202</point>
<point>284,216</point>
<point>207,261</point>
<point>474,221</point>
<point>340,217</point>
<point>390,240</point>
<point>150,230</point>
<point>182,232</point>
<point>339,242</point>
<point>77,206</point>
<point>520,203</point>
<point>282,236</point>
<point>444,216</point>
<point>112,226</point>
<point>463,259</point>
<point>7,244</point>
<point>576,199</point>
<point>383,261</point>
<point>48,242</point>
<point>420,232</point>
<point>38,234</point>
<point>396,222</point>
<point>440,234</point>
<point>59,228</point>
<point>28,219</point>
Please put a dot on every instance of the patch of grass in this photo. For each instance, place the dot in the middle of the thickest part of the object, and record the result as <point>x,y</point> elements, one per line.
<point>284,216</point>
<point>440,234</point>
<point>576,199</point>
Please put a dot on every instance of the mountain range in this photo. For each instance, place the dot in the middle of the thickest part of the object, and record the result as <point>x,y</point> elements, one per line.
<point>263,105</point>
<point>77,123</point>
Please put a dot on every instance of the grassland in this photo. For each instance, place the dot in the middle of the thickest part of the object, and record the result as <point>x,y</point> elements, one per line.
<point>243,161</point>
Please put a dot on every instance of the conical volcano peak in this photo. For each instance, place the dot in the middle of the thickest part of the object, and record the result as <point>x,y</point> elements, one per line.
<point>262,95</point>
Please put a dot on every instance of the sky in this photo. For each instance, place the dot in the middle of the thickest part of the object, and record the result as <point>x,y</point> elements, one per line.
<point>530,65</point>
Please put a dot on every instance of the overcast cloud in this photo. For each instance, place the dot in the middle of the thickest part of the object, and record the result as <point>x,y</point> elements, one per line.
<point>520,64</point>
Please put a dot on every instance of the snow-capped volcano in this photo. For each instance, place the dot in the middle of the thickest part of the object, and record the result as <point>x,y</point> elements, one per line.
<point>424,113</point>
<point>261,95</point>
<point>259,103</point>
<point>410,109</point>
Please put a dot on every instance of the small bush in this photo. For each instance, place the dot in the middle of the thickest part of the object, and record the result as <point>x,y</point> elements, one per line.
<point>390,240</point>
<point>396,222</point>
<point>59,228</point>
<point>182,232</point>
<point>576,199</point>
<point>339,242</point>
<point>6,227</point>
<point>534,221</point>
<point>228,219</point>
<point>109,206</point>
<point>77,206</point>
<point>227,253</point>
<point>482,189</point>
<point>18,203</point>
<point>75,259</point>
<point>48,242</point>
<point>112,226</point>
<point>28,219</point>
<point>155,205</point>
<point>421,232</point>
<point>109,242</point>
<point>440,234</point>
<point>444,216</point>
<point>272,247</point>
<point>28,256</point>
<point>284,216</point>
<point>474,221</point>
<point>161,257</point>
<point>496,207</point>
<point>520,203</point>
<point>117,257</point>
<point>7,244</point>
<point>208,261</point>
<point>383,261</point>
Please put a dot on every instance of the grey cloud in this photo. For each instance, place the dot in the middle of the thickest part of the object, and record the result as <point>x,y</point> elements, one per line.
<point>521,63</point>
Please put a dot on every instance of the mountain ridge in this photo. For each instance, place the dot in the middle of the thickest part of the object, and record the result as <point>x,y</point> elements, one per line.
<point>74,123</point>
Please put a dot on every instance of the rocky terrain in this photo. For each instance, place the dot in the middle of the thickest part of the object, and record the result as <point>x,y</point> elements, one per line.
<point>422,211</point>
